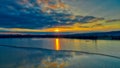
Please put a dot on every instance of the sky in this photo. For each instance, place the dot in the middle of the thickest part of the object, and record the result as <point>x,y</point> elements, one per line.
<point>109,9</point>
<point>66,16</point>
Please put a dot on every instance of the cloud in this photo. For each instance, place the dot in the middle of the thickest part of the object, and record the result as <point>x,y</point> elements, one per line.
<point>32,14</point>
<point>40,15</point>
<point>37,14</point>
<point>100,25</point>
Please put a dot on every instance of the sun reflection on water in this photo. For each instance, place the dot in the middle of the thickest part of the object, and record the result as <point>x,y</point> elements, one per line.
<point>57,44</point>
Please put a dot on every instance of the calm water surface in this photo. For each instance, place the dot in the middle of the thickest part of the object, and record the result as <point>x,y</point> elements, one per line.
<point>59,53</point>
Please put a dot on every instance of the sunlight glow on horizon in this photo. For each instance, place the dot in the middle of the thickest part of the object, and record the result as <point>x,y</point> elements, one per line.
<point>57,30</point>
<point>88,27</point>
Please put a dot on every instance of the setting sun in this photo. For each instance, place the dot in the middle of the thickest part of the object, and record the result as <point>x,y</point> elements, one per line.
<point>56,30</point>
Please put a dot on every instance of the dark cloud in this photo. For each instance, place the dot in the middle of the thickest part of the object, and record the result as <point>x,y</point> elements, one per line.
<point>32,14</point>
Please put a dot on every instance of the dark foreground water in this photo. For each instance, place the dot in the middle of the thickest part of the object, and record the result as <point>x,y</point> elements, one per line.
<point>59,53</point>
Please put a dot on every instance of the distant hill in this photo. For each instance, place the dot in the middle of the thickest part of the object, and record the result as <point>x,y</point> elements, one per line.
<point>96,35</point>
<point>91,35</point>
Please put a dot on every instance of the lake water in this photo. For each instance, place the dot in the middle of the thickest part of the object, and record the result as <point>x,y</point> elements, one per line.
<point>59,53</point>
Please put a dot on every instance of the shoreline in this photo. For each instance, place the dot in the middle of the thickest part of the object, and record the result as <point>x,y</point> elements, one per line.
<point>93,37</point>
<point>114,35</point>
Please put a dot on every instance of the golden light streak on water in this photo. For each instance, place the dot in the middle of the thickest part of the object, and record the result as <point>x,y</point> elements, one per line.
<point>57,44</point>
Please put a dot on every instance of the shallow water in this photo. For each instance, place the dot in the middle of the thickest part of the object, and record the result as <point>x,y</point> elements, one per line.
<point>59,53</point>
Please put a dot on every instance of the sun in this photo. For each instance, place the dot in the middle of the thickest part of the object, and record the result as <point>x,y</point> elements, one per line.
<point>57,30</point>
